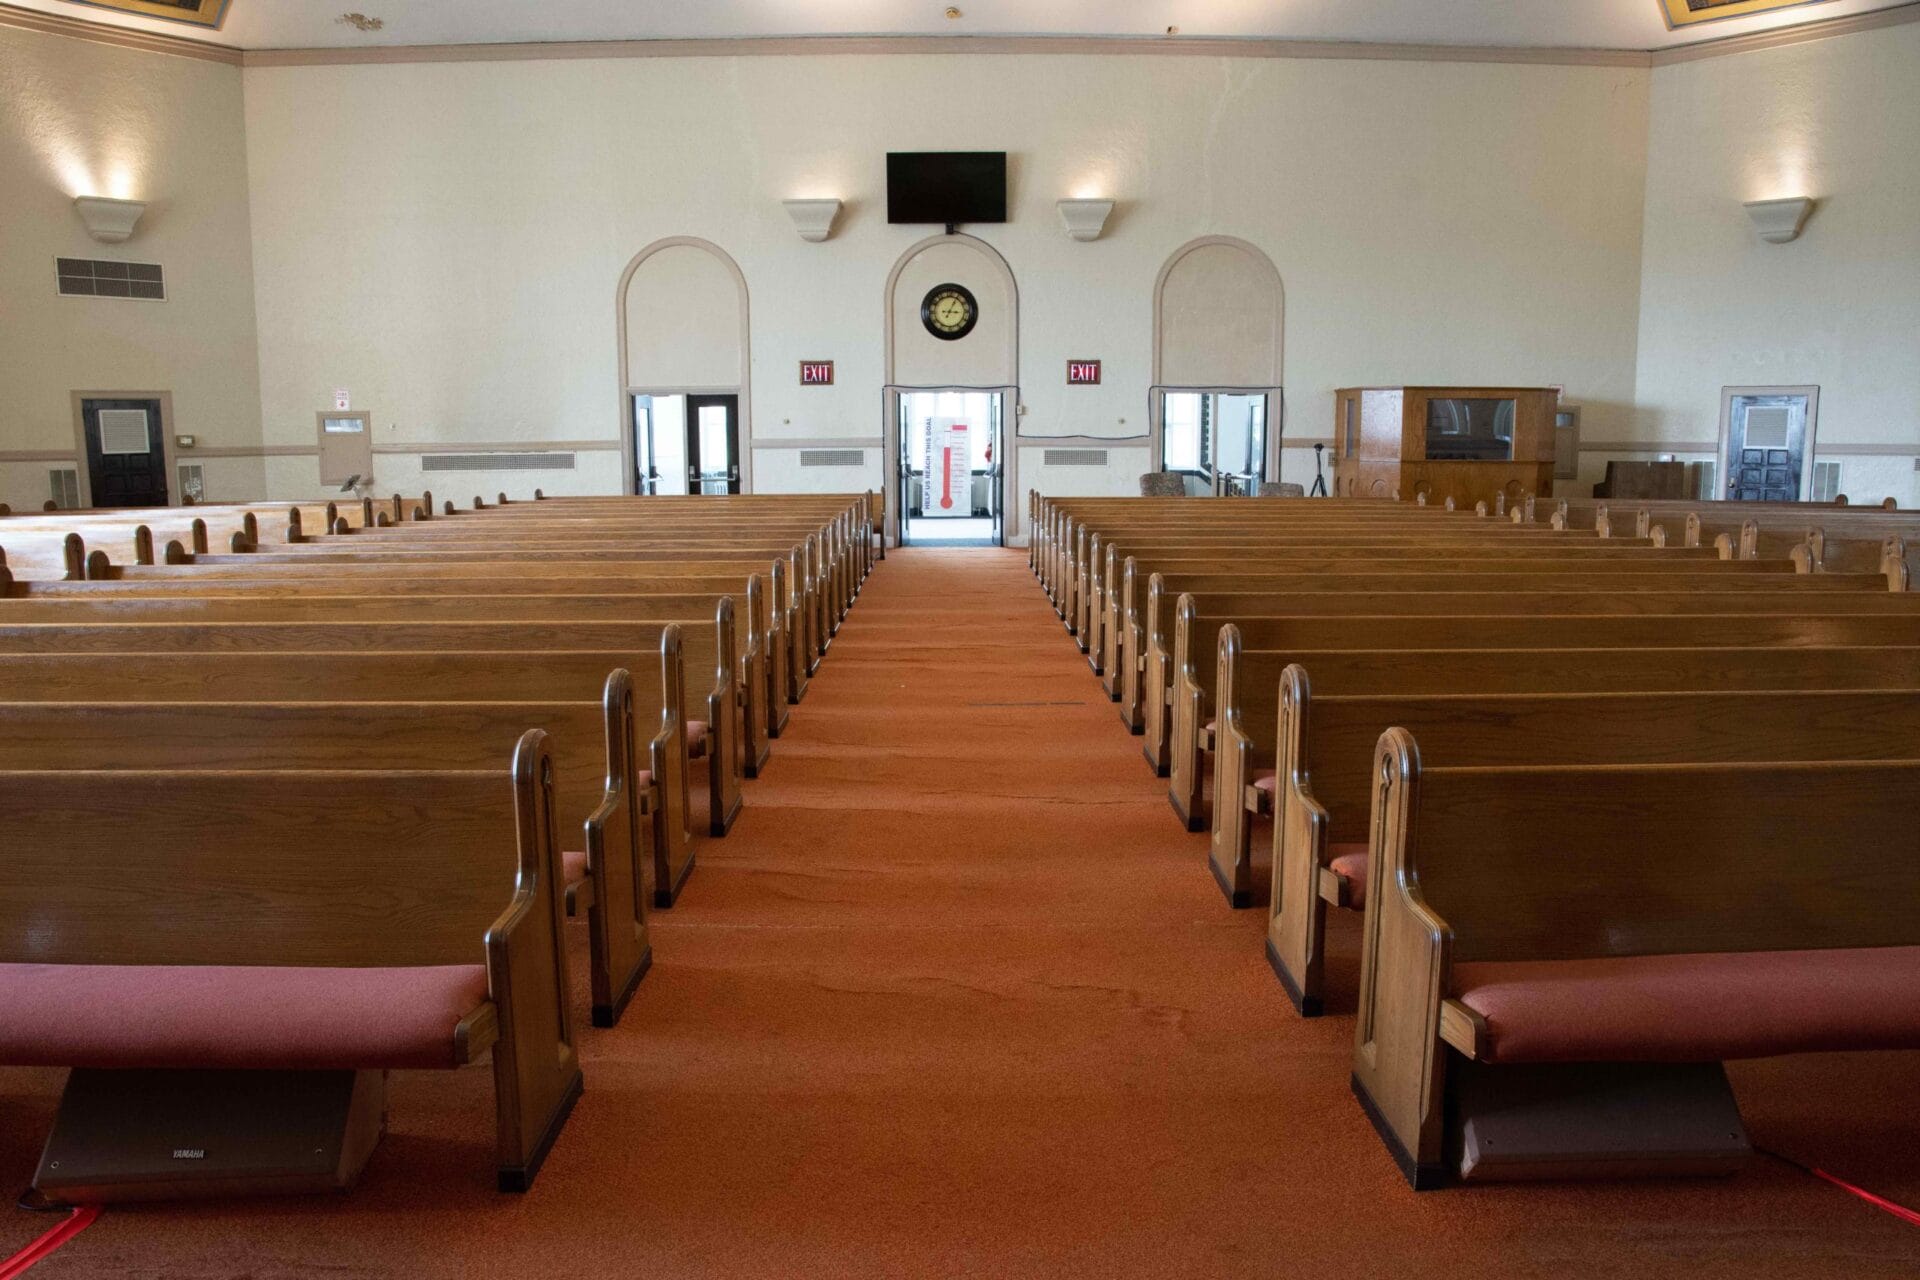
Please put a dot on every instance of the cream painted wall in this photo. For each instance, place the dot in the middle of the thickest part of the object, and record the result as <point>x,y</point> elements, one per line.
<point>446,239</point>
<point>79,118</point>
<point>1836,119</point>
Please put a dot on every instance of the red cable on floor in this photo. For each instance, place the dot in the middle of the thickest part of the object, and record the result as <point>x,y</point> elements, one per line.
<point>1900,1211</point>
<point>19,1264</point>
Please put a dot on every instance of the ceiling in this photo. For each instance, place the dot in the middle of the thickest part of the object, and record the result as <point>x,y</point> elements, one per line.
<point>1587,24</point>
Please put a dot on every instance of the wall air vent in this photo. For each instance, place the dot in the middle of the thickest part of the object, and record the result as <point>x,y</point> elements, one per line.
<point>124,431</point>
<point>496,462</point>
<point>89,278</point>
<point>833,457</point>
<point>193,481</point>
<point>1826,481</point>
<point>64,483</point>
<point>1075,457</point>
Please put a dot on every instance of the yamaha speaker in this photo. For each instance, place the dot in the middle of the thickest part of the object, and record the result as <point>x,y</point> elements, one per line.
<point>169,1135</point>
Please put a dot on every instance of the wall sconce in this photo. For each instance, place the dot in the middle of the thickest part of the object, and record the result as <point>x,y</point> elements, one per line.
<point>813,219</point>
<point>1779,221</point>
<point>109,221</point>
<point>1085,219</point>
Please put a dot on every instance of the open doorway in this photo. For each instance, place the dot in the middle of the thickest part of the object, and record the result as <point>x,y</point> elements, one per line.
<point>1214,440</point>
<point>686,444</point>
<point>951,466</point>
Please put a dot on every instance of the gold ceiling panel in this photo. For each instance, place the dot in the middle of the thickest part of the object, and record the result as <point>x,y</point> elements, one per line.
<point>200,13</point>
<point>1684,13</point>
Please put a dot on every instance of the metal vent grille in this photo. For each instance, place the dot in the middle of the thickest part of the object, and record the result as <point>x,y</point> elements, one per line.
<point>124,431</point>
<point>193,482</point>
<point>90,278</point>
<point>1075,457</point>
<point>496,462</point>
<point>833,457</point>
<point>1826,481</point>
<point>64,483</point>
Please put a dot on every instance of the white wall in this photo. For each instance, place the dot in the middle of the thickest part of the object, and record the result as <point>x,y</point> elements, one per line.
<point>1836,119</point>
<point>80,118</point>
<point>446,238</point>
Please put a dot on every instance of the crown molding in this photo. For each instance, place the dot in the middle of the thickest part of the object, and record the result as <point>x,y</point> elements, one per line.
<point>824,46</point>
<point>55,24</point>
<point>1780,37</point>
<point>821,46</point>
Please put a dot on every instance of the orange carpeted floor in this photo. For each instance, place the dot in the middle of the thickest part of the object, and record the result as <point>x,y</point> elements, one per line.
<point>958,998</point>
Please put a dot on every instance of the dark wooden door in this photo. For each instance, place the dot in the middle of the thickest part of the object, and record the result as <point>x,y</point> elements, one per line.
<point>126,453</point>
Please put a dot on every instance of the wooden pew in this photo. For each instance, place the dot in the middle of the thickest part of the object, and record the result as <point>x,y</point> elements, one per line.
<point>558,614</point>
<point>1605,622</point>
<point>1671,707</point>
<point>356,921</point>
<point>1125,608</point>
<point>335,675</point>
<point>1525,928</point>
<point>600,795</point>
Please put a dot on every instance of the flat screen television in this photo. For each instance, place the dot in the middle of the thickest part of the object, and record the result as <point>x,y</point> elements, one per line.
<point>947,187</point>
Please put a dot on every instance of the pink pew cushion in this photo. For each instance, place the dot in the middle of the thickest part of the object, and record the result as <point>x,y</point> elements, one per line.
<point>696,733</point>
<point>1696,1008</point>
<point>237,1016</point>
<point>1265,780</point>
<point>1350,862</point>
<point>573,865</point>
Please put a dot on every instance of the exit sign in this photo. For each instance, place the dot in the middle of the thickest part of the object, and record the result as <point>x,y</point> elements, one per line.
<point>1083,373</point>
<point>816,373</point>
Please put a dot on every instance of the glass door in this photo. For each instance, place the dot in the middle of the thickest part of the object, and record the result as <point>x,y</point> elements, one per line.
<point>713,444</point>
<point>1216,441</point>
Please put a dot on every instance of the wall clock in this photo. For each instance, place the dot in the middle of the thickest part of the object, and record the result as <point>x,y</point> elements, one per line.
<point>949,312</point>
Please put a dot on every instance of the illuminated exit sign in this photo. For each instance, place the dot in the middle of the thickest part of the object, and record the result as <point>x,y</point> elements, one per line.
<point>816,373</point>
<point>1083,373</point>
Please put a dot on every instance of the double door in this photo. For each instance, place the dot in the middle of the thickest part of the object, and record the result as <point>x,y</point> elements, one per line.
<point>126,452</point>
<point>686,444</point>
<point>1215,440</point>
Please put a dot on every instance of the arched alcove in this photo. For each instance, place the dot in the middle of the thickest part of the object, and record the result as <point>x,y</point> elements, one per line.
<point>987,359</point>
<point>1219,325</point>
<point>682,316</point>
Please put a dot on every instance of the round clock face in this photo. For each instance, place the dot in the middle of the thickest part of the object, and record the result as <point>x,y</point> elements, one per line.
<point>949,311</point>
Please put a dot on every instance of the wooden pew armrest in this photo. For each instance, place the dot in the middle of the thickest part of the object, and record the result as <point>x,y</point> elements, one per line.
<point>1462,1028</point>
<point>475,1034</point>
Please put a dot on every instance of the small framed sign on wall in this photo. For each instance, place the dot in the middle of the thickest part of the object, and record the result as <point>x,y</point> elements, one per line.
<point>1083,373</point>
<point>816,373</point>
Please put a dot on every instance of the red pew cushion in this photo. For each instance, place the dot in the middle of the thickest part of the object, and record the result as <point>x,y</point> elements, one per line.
<point>573,865</point>
<point>1350,862</point>
<point>1696,1008</point>
<point>237,1016</point>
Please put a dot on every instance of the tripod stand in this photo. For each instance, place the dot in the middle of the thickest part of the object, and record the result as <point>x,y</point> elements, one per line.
<point>1319,489</point>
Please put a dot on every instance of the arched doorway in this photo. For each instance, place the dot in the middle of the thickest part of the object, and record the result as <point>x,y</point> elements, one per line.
<point>935,384</point>
<point>686,412</point>
<point>1217,405</point>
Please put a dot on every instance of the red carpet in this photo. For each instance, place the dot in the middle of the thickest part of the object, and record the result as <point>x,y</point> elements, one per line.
<point>958,998</point>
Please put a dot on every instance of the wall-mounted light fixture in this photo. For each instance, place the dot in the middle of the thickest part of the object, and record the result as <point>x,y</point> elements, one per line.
<point>1779,221</point>
<point>813,219</point>
<point>108,220</point>
<point>1085,219</point>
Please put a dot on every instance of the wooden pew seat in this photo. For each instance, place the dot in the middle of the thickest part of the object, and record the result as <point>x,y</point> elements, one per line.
<point>1706,1007</point>
<point>243,1017</point>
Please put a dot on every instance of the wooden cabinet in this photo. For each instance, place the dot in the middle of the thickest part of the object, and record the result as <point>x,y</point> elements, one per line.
<point>1464,443</point>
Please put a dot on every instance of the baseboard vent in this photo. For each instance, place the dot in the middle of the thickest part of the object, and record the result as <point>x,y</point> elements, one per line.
<point>193,481</point>
<point>65,485</point>
<point>496,462</point>
<point>833,457</point>
<point>1075,457</point>
<point>1826,481</point>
